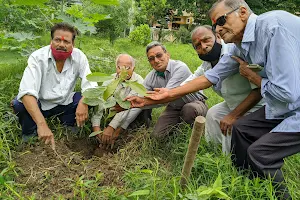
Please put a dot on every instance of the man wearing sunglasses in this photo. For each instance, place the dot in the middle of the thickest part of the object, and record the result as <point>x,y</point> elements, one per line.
<point>170,73</point>
<point>262,139</point>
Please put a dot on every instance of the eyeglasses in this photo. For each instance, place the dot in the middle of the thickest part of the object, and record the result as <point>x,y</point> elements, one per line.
<point>124,67</point>
<point>158,56</point>
<point>222,20</point>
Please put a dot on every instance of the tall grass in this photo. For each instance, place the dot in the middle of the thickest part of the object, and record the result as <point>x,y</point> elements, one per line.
<point>152,169</point>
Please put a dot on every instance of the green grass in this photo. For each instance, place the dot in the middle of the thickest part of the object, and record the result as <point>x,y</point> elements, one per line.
<point>148,166</point>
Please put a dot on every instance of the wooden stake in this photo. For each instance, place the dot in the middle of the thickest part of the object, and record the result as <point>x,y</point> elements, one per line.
<point>198,131</point>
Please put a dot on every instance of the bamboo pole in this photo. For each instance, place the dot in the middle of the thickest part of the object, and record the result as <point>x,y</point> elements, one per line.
<point>198,131</point>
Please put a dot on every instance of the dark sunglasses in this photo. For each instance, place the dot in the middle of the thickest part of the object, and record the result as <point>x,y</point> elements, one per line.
<point>222,20</point>
<point>158,56</point>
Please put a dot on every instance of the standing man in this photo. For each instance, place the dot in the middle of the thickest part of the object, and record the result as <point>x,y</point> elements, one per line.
<point>47,86</point>
<point>170,74</point>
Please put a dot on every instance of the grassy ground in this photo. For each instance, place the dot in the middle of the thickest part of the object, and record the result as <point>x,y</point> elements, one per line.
<point>138,168</point>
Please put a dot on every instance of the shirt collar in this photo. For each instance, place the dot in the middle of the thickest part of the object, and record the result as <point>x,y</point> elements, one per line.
<point>249,33</point>
<point>224,49</point>
<point>169,65</point>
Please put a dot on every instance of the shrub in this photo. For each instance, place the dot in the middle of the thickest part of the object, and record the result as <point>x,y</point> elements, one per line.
<point>183,35</point>
<point>141,35</point>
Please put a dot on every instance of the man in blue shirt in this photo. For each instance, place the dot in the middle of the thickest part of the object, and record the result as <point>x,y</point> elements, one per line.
<point>261,139</point>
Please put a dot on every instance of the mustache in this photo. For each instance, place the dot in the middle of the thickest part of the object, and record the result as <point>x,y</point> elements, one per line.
<point>61,49</point>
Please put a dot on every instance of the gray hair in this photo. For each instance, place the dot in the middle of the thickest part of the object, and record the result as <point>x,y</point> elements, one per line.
<point>233,4</point>
<point>130,57</point>
<point>155,44</point>
<point>197,28</point>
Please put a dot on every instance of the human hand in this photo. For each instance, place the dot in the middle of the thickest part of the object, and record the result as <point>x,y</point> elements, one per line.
<point>46,135</point>
<point>136,102</point>
<point>81,113</point>
<point>107,135</point>
<point>226,124</point>
<point>118,108</point>
<point>115,135</point>
<point>158,94</point>
<point>248,73</point>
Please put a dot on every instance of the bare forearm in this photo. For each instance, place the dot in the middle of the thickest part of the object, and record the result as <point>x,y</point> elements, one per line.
<point>31,105</point>
<point>149,102</point>
<point>199,83</point>
<point>255,80</point>
<point>251,100</point>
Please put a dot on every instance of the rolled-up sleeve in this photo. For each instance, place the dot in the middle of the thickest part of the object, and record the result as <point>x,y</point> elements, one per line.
<point>282,71</point>
<point>31,80</point>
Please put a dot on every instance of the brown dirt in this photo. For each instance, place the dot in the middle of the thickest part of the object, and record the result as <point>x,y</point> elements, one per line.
<point>45,174</point>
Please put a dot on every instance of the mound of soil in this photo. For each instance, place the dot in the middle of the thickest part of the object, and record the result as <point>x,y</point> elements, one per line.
<point>46,173</point>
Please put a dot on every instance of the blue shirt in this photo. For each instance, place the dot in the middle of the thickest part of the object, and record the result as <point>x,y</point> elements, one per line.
<point>272,41</point>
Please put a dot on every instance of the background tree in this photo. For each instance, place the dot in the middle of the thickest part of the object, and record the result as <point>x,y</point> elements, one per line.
<point>119,21</point>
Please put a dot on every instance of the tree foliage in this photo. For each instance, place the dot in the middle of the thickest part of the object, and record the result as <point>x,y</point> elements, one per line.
<point>141,35</point>
<point>119,21</point>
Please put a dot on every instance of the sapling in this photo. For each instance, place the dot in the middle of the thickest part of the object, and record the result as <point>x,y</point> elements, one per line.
<point>107,97</point>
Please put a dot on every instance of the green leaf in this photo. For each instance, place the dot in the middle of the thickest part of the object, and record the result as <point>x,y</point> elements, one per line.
<point>21,36</point>
<point>110,89</point>
<point>94,92</point>
<point>82,26</point>
<point>140,193</point>
<point>137,87</point>
<point>221,195</point>
<point>147,171</point>
<point>98,77</point>
<point>218,183</point>
<point>111,101</point>
<point>29,2</point>
<point>209,191</point>
<point>119,96</point>
<point>95,133</point>
<point>123,74</point>
<point>2,180</point>
<point>92,101</point>
<point>111,113</point>
<point>106,2</point>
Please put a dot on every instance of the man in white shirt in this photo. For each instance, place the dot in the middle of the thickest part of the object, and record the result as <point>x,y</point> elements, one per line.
<point>124,118</point>
<point>47,86</point>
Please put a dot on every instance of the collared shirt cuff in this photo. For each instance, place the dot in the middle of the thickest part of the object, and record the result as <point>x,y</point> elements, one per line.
<point>27,92</point>
<point>114,123</point>
<point>264,82</point>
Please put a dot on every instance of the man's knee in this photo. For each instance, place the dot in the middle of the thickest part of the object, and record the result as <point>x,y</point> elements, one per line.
<point>257,157</point>
<point>17,106</point>
<point>161,130</point>
<point>76,98</point>
<point>191,110</point>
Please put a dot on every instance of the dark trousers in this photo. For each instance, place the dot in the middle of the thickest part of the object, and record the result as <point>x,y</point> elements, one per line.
<point>253,145</point>
<point>65,113</point>
<point>172,116</point>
